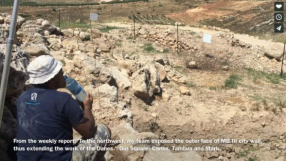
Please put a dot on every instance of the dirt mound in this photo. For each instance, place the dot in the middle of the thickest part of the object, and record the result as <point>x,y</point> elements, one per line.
<point>213,11</point>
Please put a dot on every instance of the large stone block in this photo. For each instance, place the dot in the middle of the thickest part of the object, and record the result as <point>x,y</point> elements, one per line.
<point>17,75</point>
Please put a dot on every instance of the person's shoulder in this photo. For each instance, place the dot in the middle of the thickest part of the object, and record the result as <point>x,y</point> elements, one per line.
<point>25,92</point>
<point>59,94</point>
<point>60,98</point>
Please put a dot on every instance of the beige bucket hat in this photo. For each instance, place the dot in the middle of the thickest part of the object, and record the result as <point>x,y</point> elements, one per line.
<point>42,69</point>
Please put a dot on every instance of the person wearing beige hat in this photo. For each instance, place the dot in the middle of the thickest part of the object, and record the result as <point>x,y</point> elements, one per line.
<point>48,117</point>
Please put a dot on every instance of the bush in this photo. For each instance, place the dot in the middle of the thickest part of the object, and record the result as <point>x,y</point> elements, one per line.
<point>232,81</point>
<point>24,15</point>
<point>192,32</point>
<point>166,51</point>
<point>149,48</point>
<point>224,63</point>
<point>70,57</point>
<point>107,29</point>
<point>252,159</point>
<point>280,103</point>
<point>63,62</point>
<point>126,1</point>
<point>65,25</point>
<point>243,154</point>
<point>213,88</point>
<point>191,85</point>
<point>272,77</point>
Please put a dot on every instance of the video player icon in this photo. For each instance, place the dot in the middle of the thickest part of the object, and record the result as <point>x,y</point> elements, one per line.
<point>278,17</point>
<point>278,28</point>
<point>278,6</point>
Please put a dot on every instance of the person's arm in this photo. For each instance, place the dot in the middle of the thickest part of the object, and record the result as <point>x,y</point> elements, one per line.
<point>87,126</point>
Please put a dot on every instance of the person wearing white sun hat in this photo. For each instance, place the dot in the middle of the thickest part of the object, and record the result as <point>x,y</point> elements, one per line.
<point>44,68</point>
<point>43,113</point>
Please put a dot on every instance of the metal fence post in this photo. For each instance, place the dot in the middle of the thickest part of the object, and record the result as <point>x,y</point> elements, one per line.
<point>281,74</point>
<point>177,38</point>
<point>59,18</point>
<point>134,26</point>
<point>5,74</point>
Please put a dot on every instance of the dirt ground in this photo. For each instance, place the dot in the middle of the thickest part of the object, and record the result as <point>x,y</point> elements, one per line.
<point>254,110</point>
<point>214,11</point>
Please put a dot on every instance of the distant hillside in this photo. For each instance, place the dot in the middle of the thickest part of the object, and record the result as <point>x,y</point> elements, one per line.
<point>247,17</point>
<point>58,2</point>
<point>65,1</point>
<point>6,2</point>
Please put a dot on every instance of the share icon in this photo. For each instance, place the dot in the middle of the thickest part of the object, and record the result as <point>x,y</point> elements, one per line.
<point>278,28</point>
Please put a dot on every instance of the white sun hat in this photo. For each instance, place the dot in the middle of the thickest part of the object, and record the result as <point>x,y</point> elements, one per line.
<point>42,69</point>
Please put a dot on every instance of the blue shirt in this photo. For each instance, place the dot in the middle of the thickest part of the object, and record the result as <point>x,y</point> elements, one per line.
<point>44,114</point>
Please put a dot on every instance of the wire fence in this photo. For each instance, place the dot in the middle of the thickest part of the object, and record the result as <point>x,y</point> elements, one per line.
<point>67,19</point>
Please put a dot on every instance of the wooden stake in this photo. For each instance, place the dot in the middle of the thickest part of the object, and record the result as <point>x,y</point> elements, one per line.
<point>281,74</point>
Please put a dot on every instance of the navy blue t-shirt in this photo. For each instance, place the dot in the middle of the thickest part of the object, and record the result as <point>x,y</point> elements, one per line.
<point>44,114</point>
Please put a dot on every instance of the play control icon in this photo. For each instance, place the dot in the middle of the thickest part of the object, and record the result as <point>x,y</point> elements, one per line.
<point>278,6</point>
<point>278,28</point>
